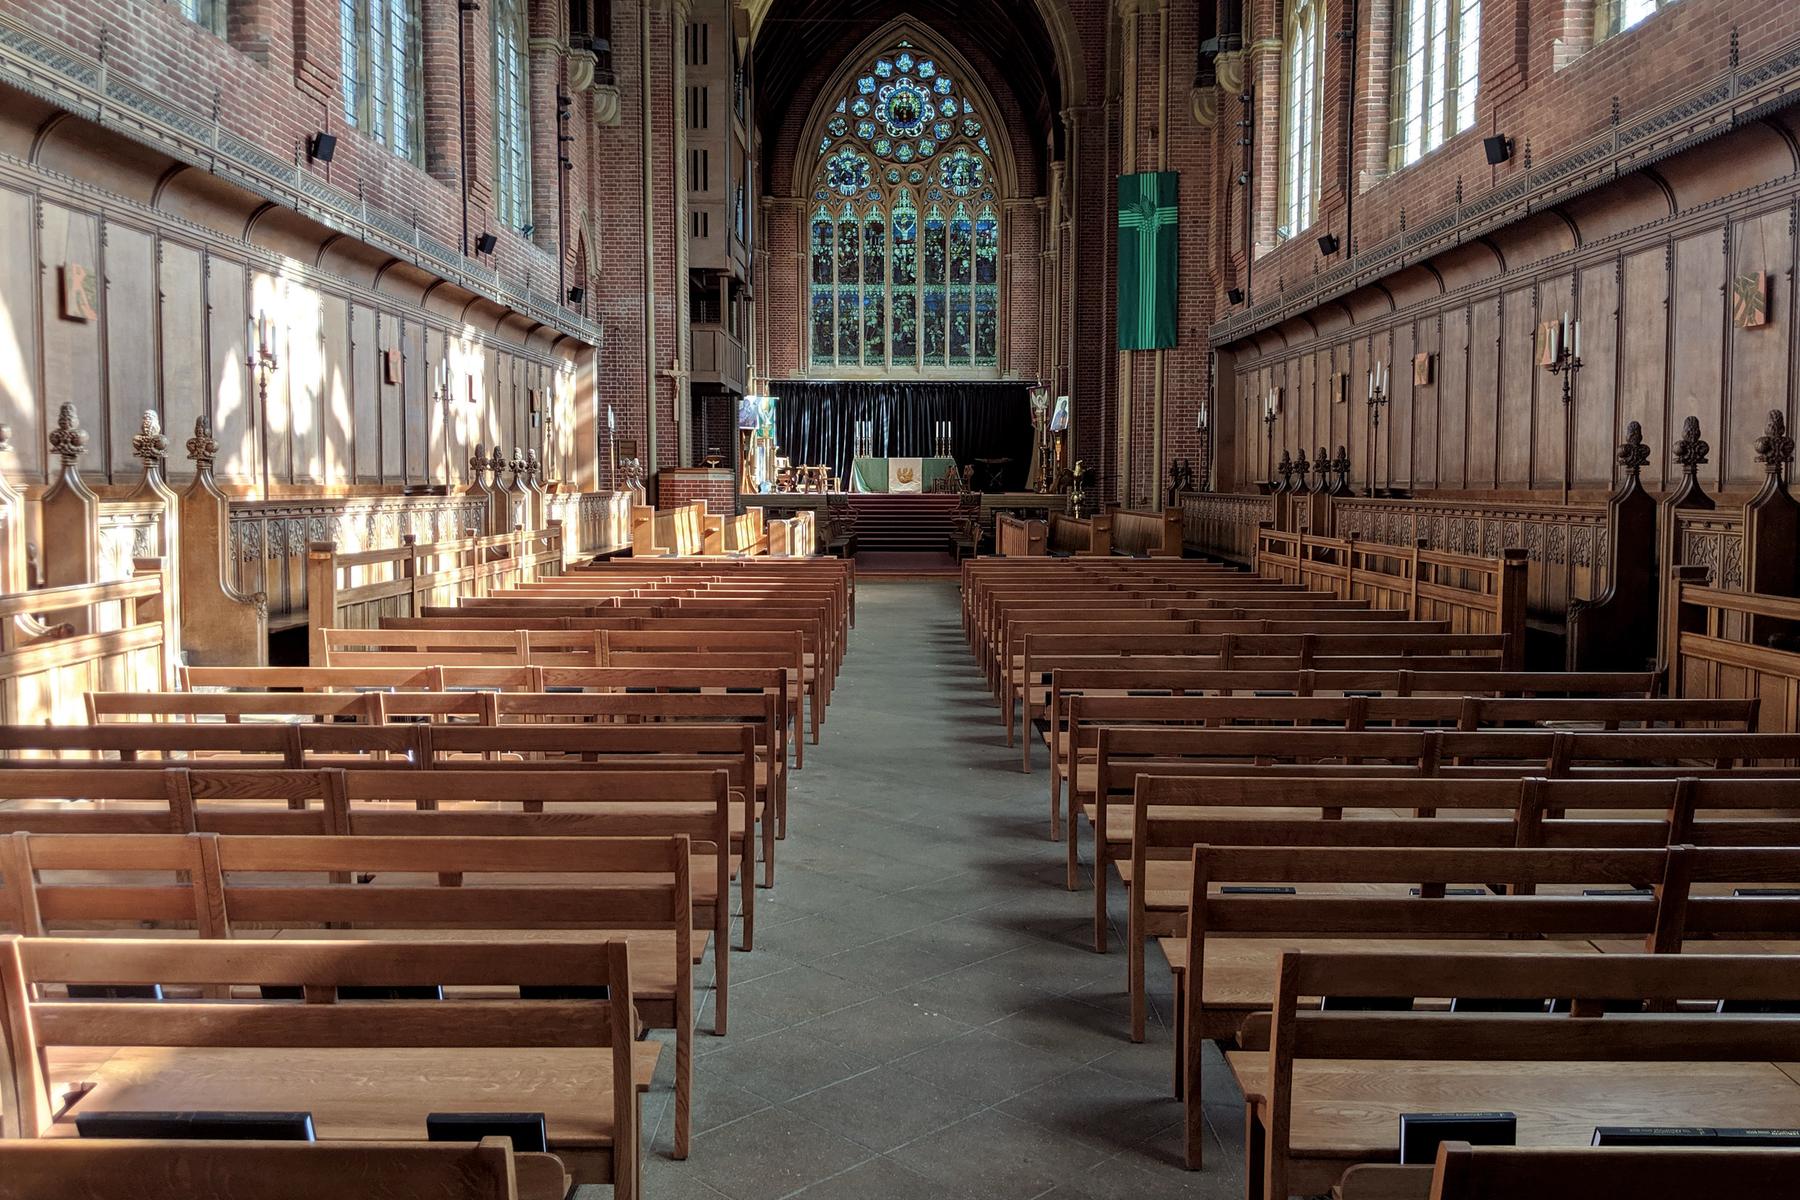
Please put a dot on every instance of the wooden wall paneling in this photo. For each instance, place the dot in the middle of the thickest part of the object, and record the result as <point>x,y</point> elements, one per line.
<point>1515,432</point>
<point>1759,355</point>
<point>182,352</point>
<point>306,339</point>
<point>1356,413</point>
<point>130,316</point>
<point>376,444</point>
<point>1307,428</point>
<point>1453,401</point>
<point>72,349</point>
<point>492,418</point>
<point>1598,430</point>
<point>1340,413</point>
<point>1397,421</point>
<point>1644,356</point>
<point>1696,301</point>
<point>234,403</point>
<point>336,396</point>
<point>21,404</point>
<point>1549,423</point>
<point>413,393</point>
<point>1484,387</point>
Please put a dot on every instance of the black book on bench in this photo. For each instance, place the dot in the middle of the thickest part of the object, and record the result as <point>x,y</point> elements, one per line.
<point>525,1129</point>
<point>198,1126</point>
<point>1420,1133</point>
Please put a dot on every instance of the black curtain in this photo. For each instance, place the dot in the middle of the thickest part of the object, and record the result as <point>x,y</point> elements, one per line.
<point>816,423</point>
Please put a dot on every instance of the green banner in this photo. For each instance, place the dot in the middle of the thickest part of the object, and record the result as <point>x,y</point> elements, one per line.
<point>1149,259</point>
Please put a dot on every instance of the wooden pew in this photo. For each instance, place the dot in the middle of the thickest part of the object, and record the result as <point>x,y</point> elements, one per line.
<point>632,890</point>
<point>1465,1172</point>
<point>1317,1103</point>
<point>1079,535</point>
<point>1088,713</point>
<point>1124,754</point>
<point>1148,534</point>
<point>1171,816</point>
<point>137,1169</point>
<point>578,1062</point>
<point>1018,537</point>
<point>1125,680</point>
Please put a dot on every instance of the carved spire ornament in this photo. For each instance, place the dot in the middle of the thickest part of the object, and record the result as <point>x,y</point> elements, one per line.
<point>517,466</point>
<point>534,470</point>
<point>201,448</point>
<point>478,464</point>
<point>1774,449</point>
<point>68,441</point>
<point>150,446</point>
<point>1691,451</point>
<point>1341,467</point>
<point>1322,468</point>
<point>1285,469</point>
<point>1632,453</point>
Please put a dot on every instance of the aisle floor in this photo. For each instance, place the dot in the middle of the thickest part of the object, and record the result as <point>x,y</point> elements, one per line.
<point>923,1015</point>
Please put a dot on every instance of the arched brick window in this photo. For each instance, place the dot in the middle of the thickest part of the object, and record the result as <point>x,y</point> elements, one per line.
<point>512,113</point>
<point>1436,73</point>
<point>1301,114</point>
<point>379,76</point>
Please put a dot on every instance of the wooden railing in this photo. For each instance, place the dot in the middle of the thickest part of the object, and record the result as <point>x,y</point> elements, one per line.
<point>1713,656</point>
<point>1224,525</point>
<point>1016,537</point>
<point>1157,534</point>
<point>1080,535</point>
<point>1474,594</point>
<point>355,591</point>
<point>58,643</point>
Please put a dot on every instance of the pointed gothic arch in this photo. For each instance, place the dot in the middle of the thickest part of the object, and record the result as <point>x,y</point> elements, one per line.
<point>906,181</point>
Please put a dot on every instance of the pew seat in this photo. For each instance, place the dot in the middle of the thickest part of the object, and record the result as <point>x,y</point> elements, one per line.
<point>146,1169</point>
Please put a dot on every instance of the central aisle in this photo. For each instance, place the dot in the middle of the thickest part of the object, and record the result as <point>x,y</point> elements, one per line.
<point>923,1015</point>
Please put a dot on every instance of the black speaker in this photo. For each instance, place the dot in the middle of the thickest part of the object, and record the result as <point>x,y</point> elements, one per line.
<point>485,243</point>
<point>1498,148</point>
<point>1234,295</point>
<point>321,146</point>
<point>1328,244</point>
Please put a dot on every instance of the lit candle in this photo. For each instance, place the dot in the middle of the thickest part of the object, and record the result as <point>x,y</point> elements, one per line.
<point>1371,375</point>
<point>249,336</point>
<point>1578,338</point>
<point>1565,329</point>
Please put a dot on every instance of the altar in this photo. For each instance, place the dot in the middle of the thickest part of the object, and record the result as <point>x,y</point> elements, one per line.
<point>870,474</point>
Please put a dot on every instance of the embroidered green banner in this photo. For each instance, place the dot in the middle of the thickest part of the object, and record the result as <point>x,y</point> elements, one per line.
<point>1149,259</point>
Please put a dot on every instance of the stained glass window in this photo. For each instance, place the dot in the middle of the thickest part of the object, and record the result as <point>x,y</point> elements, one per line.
<point>904,238</point>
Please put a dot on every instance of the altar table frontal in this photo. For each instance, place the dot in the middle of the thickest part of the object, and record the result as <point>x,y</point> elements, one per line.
<point>898,474</point>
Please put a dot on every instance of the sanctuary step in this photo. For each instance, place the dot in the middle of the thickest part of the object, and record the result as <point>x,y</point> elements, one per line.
<point>914,523</point>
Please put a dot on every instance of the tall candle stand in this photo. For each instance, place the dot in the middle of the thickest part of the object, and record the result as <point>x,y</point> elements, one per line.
<point>440,394</point>
<point>1268,420</point>
<point>1378,400</point>
<point>1566,363</point>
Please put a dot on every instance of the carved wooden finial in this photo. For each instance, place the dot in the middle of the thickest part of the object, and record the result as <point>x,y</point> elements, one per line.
<point>5,438</point>
<point>1632,453</point>
<point>477,463</point>
<point>1322,463</point>
<point>150,447</point>
<point>1285,467</point>
<point>497,463</point>
<point>516,465</point>
<point>68,440</point>
<point>201,447</point>
<point>1774,449</point>
<point>1691,450</point>
<point>1301,466</point>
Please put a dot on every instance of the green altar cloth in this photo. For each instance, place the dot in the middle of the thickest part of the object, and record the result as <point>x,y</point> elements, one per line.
<point>898,474</point>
